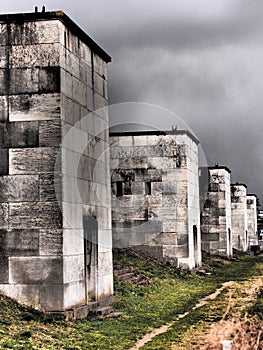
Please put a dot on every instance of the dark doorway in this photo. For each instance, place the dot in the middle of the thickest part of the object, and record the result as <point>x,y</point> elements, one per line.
<point>229,241</point>
<point>90,226</point>
<point>195,245</point>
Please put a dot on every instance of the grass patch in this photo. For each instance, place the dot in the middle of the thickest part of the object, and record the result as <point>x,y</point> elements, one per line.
<point>144,308</point>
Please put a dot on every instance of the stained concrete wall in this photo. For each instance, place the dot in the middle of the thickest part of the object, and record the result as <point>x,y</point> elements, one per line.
<point>252,219</point>
<point>239,216</point>
<point>216,226</point>
<point>51,75</point>
<point>155,195</point>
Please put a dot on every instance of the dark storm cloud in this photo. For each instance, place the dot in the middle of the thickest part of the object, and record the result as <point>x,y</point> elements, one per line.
<point>201,59</point>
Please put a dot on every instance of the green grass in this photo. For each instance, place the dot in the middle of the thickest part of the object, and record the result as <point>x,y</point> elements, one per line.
<point>144,308</point>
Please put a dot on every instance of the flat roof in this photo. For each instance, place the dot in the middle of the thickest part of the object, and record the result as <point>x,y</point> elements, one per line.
<point>239,184</point>
<point>252,195</point>
<point>219,167</point>
<point>61,16</point>
<point>154,132</point>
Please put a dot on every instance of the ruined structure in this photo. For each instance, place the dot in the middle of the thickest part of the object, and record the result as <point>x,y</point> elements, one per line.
<point>239,216</point>
<point>55,231</point>
<point>216,226</point>
<point>155,194</point>
<point>252,219</point>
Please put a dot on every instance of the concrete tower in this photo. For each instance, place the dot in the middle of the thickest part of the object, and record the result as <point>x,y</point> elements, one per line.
<point>252,219</point>
<point>55,231</point>
<point>216,214</point>
<point>239,216</point>
<point>155,194</point>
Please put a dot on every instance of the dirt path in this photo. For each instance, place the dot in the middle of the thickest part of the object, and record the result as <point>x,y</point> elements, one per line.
<point>246,334</point>
<point>165,328</point>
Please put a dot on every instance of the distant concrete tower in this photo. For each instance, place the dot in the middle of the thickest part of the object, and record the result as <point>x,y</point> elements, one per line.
<point>239,216</point>
<point>252,223</point>
<point>55,231</point>
<point>155,194</point>
<point>216,227</point>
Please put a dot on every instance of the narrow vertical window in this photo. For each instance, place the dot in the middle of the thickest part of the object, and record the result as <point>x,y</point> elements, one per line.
<point>119,188</point>
<point>148,190</point>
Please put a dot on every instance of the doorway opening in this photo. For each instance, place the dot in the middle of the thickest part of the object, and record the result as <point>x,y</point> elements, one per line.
<point>90,226</point>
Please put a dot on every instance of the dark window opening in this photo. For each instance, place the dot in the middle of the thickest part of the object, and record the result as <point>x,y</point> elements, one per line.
<point>119,188</point>
<point>148,189</point>
<point>127,188</point>
<point>195,235</point>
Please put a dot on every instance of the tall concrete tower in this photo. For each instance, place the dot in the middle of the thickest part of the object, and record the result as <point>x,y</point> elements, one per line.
<point>252,223</point>
<point>216,224</point>
<point>55,228</point>
<point>239,216</point>
<point>155,194</point>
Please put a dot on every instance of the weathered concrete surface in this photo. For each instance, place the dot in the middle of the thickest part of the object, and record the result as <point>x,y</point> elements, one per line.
<point>51,75</point>
<point>155,200</point>
<point>216,225</point>
<point>239,216</point>
<point>252,219</point>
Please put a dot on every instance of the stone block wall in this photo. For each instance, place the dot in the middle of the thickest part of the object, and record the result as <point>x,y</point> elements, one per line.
<point>51,75</point>
<point>239,216</point>
<point>252,219</point>
<point>216,224</point>
<point>155,197</point>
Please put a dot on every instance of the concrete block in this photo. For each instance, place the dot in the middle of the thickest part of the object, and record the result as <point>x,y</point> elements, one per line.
<point>80,312</point>
<point>72,215</point>
<point>100,85</point>
<point>51,297</point>
<point>37,32</point>
<point>85,53</point>
<point>70,62</point>
<point>4,270</point>
<point>50,242</point>
<point>3,57</point>
<point>19,242</point>
<point>71,111</point>
<point>32,160</point>
<point>105,286</point>
<point>66,83</point>
<point>43,55</point>
<point>73,242</point>
<point>19,188</point>
<point>31,270</point>
<point>50,187</point>
<point>3,215</point>
<point>210,237</point>
<point>49,133</point>
<point>4,162</point>
<point>4,82</point>
<point>34,215</point>
<point>100,66</point>
<point>34,80</point>
<point>86,74</point>
<point>104,237</point>
<point>22,134</point>
<point>3,34</point>
<point>3,109</point>
<point>73,268</point>
<point>99,101</point>
<point>74,294</point>
<point>34,107</point>
<point>79,92</point>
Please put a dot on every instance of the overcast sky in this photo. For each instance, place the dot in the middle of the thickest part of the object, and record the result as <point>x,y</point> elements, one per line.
<point>201,59</point>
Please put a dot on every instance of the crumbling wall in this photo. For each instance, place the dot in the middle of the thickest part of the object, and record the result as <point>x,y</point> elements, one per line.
<point>239,216</point>
<point>216,224</point>
<point>155,202</point>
